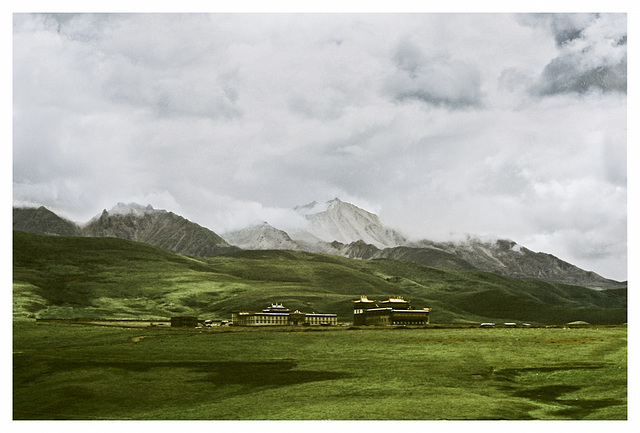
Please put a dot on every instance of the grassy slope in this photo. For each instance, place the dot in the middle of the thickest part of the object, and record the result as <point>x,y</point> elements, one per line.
<point>78,372</point>
<point>105,277</point>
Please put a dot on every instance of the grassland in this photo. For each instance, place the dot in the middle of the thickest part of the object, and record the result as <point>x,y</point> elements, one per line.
<point>83,372</point>
<point>69,277</point>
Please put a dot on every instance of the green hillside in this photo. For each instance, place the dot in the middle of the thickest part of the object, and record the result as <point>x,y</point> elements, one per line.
<point>68,277</point>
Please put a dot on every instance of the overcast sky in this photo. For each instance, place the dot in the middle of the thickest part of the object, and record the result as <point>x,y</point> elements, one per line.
<point>511,126</point>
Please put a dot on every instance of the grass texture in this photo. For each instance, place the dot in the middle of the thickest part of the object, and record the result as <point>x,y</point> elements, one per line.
<point>83,372</point>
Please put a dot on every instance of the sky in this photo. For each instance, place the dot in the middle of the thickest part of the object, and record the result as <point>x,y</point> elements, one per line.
<point>445,125</point>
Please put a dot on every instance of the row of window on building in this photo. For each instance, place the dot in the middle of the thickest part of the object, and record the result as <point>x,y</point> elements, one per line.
<point>277,314</point>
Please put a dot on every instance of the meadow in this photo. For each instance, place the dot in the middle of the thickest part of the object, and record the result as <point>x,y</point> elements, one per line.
<point>70,372</point>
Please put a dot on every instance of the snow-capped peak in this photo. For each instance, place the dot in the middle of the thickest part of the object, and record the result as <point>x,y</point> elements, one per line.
<point>261,237</point>
<point>308,209</point>
<point>346,223</point>
<point>333,203</point>
<point>132,208</point>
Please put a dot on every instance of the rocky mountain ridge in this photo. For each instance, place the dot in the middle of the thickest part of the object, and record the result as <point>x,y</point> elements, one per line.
<point>343,229</point>
<point>132,222</point>
<point>42,221</point>
<point>262,237</point>
<point>338,228</point>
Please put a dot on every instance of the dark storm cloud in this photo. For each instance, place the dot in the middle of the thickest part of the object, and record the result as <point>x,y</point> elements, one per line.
<point>433,80</point>
<point>568,27</point>
<point>564,27</point>
<point>592,53</point>
<point>565,75</point>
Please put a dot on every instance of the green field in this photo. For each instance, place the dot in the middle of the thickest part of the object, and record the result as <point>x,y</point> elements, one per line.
<point>89,372</point>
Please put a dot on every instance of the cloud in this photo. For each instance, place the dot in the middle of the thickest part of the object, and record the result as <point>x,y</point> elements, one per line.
<point>568,27</point>
<point>567,74</point>
<point>592,54</point>
<point>436,81</point>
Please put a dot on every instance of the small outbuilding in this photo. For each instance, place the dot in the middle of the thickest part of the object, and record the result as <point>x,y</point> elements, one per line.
<point>184,322</point>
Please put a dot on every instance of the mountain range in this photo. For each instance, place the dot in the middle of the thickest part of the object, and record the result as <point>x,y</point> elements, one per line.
<point>336,228</point>
<point>132,222</point>
<point>343,229</point>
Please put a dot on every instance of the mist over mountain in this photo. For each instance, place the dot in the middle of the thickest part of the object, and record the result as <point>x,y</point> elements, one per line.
<point>343,229</point>
<point>261,237</point>
<point>346,223</point>
<point>330,227</point>
<point>309,208</point>
<point>157,227</point>
<point>132,222</point>
<point>336,228</point>
<point>42,221</point>
<point>506,257</point>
